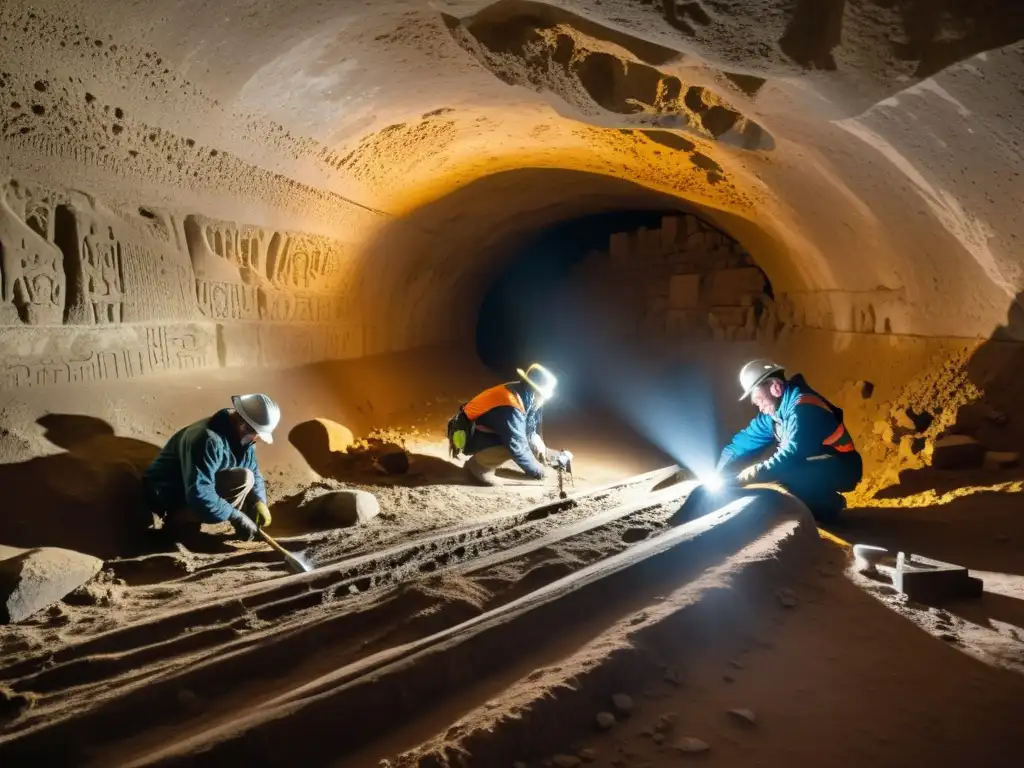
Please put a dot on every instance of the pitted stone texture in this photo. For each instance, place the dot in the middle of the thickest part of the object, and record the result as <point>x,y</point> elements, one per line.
<point>32,579</point>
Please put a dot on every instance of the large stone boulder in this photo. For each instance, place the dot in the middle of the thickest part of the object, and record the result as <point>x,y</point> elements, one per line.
<point>32,579</point>
<point>340,509</point>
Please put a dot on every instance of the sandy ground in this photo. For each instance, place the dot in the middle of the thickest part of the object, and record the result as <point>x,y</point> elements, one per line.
<point>184,639</point>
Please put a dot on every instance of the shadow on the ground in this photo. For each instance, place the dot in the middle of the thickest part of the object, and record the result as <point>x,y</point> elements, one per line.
<point>979,531</point>
<point>367,464</point>
<point>88,498</point>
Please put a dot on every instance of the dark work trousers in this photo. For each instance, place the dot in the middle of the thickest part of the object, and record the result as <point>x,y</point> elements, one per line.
<point>819,481</point>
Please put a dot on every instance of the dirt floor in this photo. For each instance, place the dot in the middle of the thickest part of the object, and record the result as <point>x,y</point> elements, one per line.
<point>488,626</point>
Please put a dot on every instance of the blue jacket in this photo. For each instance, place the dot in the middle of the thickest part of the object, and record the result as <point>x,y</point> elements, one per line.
<point>184,473</point>
<point>513,429</point>
<point>804,425</point>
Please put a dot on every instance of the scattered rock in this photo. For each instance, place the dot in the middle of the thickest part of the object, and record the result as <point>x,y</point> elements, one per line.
<point>588,755</point>
<point>787,597</point>
<point>743,715</point>
<point>1000,460</point>
<point>631,535</point>
<point>666,722</point>
<point>957,452</point>
<point>737,664</point>
<point>658,738</point>
<point>32,579</point>
<point>623,703</point>
<point>13,705</point>
<point>345,508</point>
<point>566,761</point>
<point>949,637</point>
<point>691,745</point>
<point>605,721</point>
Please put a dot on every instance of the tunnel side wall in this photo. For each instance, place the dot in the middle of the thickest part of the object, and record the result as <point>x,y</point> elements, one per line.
<point>94,294</point>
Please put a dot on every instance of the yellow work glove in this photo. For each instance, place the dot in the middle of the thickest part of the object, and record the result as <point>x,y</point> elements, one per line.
<point>262,515</point>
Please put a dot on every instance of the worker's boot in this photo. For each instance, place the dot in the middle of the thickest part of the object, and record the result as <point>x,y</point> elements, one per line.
<point>482,474</point>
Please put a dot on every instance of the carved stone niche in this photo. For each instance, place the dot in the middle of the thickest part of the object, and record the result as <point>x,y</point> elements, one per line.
<point>93,263</point>
<point>33,283</point>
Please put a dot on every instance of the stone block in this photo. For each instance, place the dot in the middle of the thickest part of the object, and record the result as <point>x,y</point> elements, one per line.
<point>344,508</point>
<point>728,286</point>
<point>32,579</point>
<point>618,247</point>
<point>680,322</point>
<point>669,233</point>
<point>995,460</point>
<point>730,317</point>
<point>684,291</point>
<point>957,452</point>
<point>925,580</point>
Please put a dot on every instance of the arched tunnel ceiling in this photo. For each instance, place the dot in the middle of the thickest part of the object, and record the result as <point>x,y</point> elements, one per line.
<point>857,148</point>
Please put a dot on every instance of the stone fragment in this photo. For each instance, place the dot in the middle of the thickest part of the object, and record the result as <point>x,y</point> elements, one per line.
<point>658,738</point>
<point>605,721</point>
<point>957,452</point>
<point>566,761</point>
<point>588,755</point>
<point>995,460</point>
<point>737,664</point>
<point>692,745</point>
<point>345,508</point>
<point>743,715</point>
<point>623,703</point>
<point>787,597</point>
<point>32,579</point>
<point>866,389</point>
<point>666,722</point>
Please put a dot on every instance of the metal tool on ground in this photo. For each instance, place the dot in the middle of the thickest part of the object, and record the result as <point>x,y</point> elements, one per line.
<point>295,563</point>
<point>563,464</point>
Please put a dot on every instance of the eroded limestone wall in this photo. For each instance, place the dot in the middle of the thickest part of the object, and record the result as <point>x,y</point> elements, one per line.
<point>94,293</point>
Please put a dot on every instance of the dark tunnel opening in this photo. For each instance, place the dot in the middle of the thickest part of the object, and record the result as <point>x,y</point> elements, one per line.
<point>542,308</point>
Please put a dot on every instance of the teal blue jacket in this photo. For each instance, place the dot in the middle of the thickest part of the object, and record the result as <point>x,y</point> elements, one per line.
<point>184,473</point>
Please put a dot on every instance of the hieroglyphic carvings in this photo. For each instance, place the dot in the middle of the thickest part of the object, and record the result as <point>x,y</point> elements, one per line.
<point>102,279</point>
<point>32,267</point>
<point>296,277</point>
<point>72,355</point>
<point>220,300</point>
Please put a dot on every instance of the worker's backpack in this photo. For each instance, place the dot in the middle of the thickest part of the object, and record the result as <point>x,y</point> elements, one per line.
<point>459,430</point>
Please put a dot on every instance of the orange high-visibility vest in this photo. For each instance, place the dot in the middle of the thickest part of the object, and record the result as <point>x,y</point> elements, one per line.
<point>492,398</point>
<point>840,440</point>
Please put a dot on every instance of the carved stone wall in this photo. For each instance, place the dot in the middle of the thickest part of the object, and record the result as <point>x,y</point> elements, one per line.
<point>687,280</point>
<point>92,293</point>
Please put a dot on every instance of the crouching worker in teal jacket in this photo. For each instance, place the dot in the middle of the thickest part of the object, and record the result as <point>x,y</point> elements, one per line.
<point>815,460</point>
<point>207,472</point>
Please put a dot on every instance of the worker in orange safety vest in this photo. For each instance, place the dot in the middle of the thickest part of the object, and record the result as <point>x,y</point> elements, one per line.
<point>503,423</point>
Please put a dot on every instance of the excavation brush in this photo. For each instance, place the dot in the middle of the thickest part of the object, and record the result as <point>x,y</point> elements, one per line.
<point>295,563</point>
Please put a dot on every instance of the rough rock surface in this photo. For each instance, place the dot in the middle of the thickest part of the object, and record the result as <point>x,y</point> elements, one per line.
<point>345,508</point>
<point>30,580</point>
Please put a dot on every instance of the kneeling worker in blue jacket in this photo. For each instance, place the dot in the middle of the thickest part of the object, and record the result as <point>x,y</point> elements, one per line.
<point>207,472</point>
<point>815,459</point>
<point>503,423</point>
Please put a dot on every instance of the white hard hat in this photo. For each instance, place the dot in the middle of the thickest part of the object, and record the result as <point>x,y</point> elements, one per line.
<point>754,372</point>
<point>540,378</point>
<point>259,412</point>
